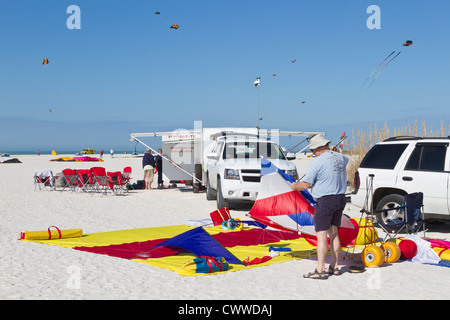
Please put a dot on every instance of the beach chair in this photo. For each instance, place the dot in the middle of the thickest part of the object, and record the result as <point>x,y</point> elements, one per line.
<point>44,180</point>
<point>414,217</point>
<point>85,180</point>
<point>71,178</point>
<point>115,182</point>
<point>101,184</point>
<point>126,177</point>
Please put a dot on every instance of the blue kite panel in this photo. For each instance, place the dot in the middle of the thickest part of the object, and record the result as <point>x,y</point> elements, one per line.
<point>200,243</point>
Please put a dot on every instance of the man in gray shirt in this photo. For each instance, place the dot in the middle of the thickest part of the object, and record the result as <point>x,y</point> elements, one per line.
<point>328,178</point>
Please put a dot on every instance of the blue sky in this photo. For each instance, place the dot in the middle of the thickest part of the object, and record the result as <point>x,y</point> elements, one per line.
<point>126,71</point>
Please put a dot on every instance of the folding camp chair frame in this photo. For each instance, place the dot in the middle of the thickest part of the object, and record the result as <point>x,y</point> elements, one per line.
<point>72,179</point>
<point>101,184</point>
<point>126,177</point>
<point>405,225</point>
<point>115,182</point>
<point>85,180</point>
<point>44,182</point>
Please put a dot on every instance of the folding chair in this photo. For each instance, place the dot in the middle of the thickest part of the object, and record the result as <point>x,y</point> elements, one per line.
<point>71,178</point>
<point>44,180</point>
<point>126,177</point>
<point>413,213</point>
<point>115,181</point>
<point>100,180</point>
<point>85,180</point>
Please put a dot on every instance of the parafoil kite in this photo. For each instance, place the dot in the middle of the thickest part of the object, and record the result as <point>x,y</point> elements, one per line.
<point>407,43</point>
<point>278,207</point>
<point>44,61</point>
<point>174,26</point>
<point>157,12</point>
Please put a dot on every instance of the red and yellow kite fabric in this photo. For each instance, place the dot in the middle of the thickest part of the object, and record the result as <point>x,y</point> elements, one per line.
<point>140,245</point>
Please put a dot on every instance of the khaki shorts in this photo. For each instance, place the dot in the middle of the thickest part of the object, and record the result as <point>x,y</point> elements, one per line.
<point>148,172</point>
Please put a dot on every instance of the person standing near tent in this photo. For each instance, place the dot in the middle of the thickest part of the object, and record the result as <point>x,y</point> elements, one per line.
<point>328,178</point>
<point>159,169</point>
<point>148,163</point>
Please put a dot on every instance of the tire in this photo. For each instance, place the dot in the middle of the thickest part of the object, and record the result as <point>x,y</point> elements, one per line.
<point>196,186</point>
<point>210,193</point>
<point>221,202</point>
<point>391,252</point>
<point>388,202</point>
<point>372,256</point>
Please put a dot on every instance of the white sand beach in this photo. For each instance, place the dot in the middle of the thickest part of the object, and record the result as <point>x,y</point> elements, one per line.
<point>37,271</point>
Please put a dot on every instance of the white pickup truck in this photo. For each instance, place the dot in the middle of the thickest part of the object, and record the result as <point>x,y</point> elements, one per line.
<point>224,161</point>
<point>233,170</point>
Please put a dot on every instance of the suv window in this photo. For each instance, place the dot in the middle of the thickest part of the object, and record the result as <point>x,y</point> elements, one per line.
<point>383,156</point>
<point>427,157</point>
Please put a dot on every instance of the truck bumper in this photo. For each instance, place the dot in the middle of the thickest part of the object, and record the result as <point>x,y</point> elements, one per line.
<point>235,190</point>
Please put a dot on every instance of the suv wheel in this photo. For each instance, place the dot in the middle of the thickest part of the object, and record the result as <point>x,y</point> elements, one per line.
<point>221,202</point>
<point>388,202</point>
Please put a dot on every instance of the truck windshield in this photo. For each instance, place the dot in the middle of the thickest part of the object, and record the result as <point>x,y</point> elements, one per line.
<point>251,150</point>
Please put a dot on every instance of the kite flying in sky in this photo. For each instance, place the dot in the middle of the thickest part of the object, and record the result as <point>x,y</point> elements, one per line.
<point>44,61</point>
<point>174,26</point>
<point>406,44</point>
<point>157,12</point>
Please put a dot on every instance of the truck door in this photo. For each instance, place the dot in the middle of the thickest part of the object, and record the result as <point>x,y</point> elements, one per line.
<point>426,171</point>
<point>212,164</point>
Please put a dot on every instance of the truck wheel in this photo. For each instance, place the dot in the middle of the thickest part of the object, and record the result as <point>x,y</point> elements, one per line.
<point>210,193</point>
<point>388,202</point>
<point>221,202</point>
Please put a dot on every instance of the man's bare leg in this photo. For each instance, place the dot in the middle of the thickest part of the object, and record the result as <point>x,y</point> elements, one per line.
<point>322,249</point>
<point>335,245</point>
